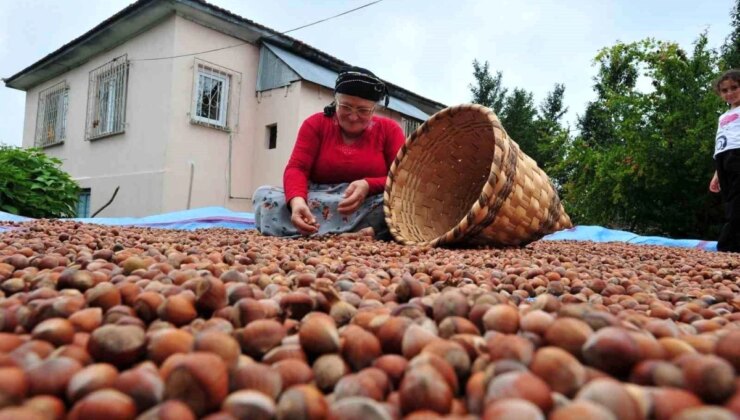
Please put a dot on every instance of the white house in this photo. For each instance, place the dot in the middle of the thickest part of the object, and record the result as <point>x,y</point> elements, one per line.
<point>180,104</point>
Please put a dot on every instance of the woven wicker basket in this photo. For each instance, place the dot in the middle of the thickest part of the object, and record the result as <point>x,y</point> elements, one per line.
<point>461,181</point>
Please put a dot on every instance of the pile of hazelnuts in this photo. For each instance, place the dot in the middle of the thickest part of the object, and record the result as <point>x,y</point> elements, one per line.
<point>100,322</point>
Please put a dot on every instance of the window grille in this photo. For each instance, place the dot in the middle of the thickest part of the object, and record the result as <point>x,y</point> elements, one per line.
<point>106,101</point>
<point>51,116</point>
<point>211,96</point>
<point>83,203</point>
<point>409,126</point>
<point>272,136</point>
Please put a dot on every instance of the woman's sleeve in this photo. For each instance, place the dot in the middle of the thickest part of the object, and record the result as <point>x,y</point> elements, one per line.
<point>394,139</point>
<point>295,177</point>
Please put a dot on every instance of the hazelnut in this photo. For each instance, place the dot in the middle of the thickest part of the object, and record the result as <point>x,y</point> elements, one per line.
<point>318,334</point>
<point>502,318</point>
<point>168,410</point>
<point>49,407</point>
<point>358,408</point>
<point>121,345</point>
<point>728,348</point>
<point>328,370</point>
<point>259,337</point>
<point>612,350</point>
<point>570,334</point>
<point>424,388</point>
<point>668,401</point>
<point>513,408</point>
<point>51,376</point>
<point>612,395</point>
<point>13,386</point>
<point>283,352</point>
<point>177,309</point>
<point>89,379</point>
<point>510,346</point>
<point>302,402</point>
<point>219,343</point>
<point>257,377</point>
<point>582,409</point>
<point>57,331</point>
<point>356,385</point>
<point>560,369</point>
<point>104,404</point>
<point>198,379</point>
<point>360,347</point>
<point>247,404</point>
<point>103,295</point>
<point>143,384</point>
<point>393,365</point>
<point>710,377</point>
<point>293,372</point>
<point>87,320</point>
<point>164,343</point>
<point>522,385</point>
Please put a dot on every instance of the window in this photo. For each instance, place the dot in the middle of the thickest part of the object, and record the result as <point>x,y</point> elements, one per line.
<point>271,136</point>
<point>211,97</point>
<point>106,102</point>
<point>51,117</point>
<point>83,203</point>
<point>409,126</point>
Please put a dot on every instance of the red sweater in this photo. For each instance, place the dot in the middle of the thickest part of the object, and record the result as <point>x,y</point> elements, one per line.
<point>321,156</point>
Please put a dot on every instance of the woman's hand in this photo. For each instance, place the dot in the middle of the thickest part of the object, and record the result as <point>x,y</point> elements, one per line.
<point>301,217</point>
<point>354,195</point>
<point>714,183</point>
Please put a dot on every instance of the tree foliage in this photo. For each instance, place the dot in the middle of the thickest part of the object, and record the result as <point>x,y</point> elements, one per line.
<point>642,160</point>
<point>32,184</point>
<point>731,47</point>
<point>538,131</point>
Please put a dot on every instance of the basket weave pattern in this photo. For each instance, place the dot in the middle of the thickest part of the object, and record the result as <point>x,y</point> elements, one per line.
<point>460,180</point>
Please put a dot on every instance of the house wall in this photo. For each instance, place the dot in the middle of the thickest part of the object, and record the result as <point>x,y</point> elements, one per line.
<point>133,160</point>
<point>205,150</point>
<point>154,160</point>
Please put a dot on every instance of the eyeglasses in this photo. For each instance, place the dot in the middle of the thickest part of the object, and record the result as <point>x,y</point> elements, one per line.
<point>361,112</point>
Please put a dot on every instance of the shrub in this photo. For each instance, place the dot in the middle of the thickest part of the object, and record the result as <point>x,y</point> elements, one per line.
<point>33,184</point>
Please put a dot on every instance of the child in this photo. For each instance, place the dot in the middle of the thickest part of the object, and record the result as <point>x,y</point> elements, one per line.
<point>726,179</point>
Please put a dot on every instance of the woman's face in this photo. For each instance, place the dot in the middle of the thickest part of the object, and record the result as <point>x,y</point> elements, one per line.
<point>730,92</point>
<point>354,113</point>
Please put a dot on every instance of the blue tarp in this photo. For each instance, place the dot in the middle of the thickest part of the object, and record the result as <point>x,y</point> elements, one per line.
<point>602,234</point>
<point>209,217</point>
<point>205,217</point>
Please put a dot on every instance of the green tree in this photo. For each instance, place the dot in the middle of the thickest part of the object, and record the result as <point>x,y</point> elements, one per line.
<point>552,135</point>
<point>33,184</point>
<point>731,47</point>
<point>518,118</point>
<point>488,90</point>
<point>642,160</point>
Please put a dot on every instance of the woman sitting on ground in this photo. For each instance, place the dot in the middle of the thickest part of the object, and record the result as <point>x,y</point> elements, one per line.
<point>335,177</point>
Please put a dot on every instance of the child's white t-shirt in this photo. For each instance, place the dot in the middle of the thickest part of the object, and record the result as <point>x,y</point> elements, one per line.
<point>728,132</point>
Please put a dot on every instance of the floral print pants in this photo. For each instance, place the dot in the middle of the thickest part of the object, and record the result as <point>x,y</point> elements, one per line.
<point>272,215</point>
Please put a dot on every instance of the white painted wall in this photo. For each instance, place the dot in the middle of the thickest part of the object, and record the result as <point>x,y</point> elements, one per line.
<point>205,147</point>
<point>133,160</point>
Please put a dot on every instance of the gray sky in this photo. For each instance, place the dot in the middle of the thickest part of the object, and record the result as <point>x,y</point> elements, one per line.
<point>426,46</point>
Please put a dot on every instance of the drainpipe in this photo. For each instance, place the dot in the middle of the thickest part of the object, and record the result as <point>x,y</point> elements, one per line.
<point>190,187</point>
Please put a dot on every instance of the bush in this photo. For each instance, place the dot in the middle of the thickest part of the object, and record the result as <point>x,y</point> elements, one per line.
<point>32,184</point>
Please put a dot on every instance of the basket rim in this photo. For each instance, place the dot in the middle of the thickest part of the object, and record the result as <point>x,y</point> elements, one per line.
<point>463,227</point>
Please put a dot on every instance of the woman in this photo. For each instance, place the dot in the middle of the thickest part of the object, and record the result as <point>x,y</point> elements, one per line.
<point>334,180</point>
